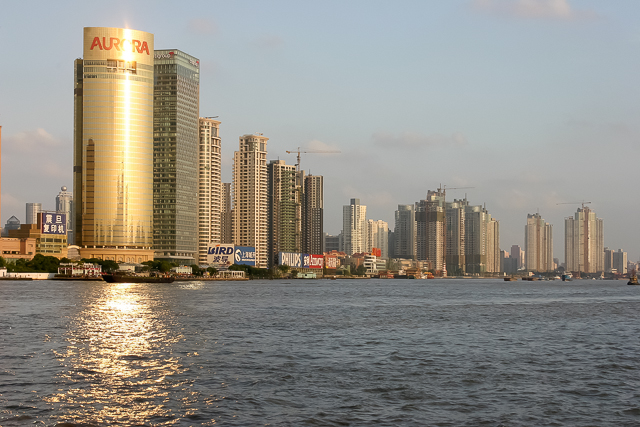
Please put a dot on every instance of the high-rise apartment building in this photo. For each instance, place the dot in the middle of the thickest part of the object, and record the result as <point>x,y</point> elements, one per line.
<point>209,186</point>
<point>64,204</point>
<point>354,227</point>
<point>615,261</point>
<point>33,209</point>
<point>482,244</point>
<point>378,236</point>
<point>313,215</point>
<point>113,145</point>
<point>331,243</point>
<point>405,232</point>
<point>455,236</point>
<point>435,213</point>
<point>176,141</point>
<point>226,235</point>
<point>538,244</point>
<point>584,242</point>
<point>518,254</point>
<point>284,210</point>
<point>250,196</point>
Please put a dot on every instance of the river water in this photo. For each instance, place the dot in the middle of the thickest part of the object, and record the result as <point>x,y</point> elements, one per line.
<point>320,352</point>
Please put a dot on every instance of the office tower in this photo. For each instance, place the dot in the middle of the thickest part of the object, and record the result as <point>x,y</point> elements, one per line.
<point>313,215</point>
<point>209,186</point>
<point>519,254</point>
<point>33,209</point>
<point>538,244</point>
<point>225,213</point>
<point>331,243</point>
<point>482,241</point>
<point>64,204</point>
<point>283,206</point>
<point>176,144</point>
<point>455,236</point>
<point>354,227</point>
<point>250,196</point>
<point>584,242</point>
<point>421,230</point>
<point>113,145</point>
<point>619,261</point>
<point>608,259</point>
<point>405,232</point>
<point>378,236</point>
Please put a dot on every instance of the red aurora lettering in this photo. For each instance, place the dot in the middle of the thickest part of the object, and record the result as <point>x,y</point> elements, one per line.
<point>123,45</point>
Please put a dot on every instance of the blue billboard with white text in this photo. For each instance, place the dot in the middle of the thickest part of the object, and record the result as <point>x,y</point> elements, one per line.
<point>245,255</point>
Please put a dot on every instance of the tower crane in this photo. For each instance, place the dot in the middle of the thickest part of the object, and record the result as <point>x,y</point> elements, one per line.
<point>298,151</point>
<point>574,203</point>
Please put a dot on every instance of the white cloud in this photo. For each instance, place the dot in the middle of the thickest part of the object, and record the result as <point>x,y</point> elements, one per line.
<point>412,140</point>
<point>534,9</point>
<point>27,142</point>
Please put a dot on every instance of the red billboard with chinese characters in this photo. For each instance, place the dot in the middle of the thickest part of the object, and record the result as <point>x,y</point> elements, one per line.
<point>316,261</point>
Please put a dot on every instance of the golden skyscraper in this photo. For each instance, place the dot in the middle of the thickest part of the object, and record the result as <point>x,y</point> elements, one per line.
<point>113,145</point>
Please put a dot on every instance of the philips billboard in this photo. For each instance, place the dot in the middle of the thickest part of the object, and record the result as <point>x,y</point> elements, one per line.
<point>291,259</point>
<point>245,255</point>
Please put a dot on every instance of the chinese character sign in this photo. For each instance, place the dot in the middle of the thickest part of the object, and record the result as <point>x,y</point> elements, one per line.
<point>53,223</point>
<point>220,255</point>
<point>245,255</point>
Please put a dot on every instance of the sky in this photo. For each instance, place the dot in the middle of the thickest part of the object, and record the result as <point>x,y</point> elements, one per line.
<point>533,104</point>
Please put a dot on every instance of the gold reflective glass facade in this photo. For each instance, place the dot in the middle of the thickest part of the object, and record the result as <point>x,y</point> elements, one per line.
<point>113,142</point>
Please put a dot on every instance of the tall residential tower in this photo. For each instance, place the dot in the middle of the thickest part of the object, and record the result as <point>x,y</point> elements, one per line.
<point>209,187</point>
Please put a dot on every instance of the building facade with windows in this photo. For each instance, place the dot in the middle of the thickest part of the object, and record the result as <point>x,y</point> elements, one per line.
<point>538,244</point>
<point>176,142</point>
<point>250,196</point>
<point>209,187</point>
<point>584,242</point>
<point>354,228</point>
<point>113,144</point>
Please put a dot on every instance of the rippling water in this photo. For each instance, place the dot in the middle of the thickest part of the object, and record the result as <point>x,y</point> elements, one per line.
<point>345,352</point>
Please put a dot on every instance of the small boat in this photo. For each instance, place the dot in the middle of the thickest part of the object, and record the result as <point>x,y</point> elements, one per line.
<point>510,279</point>
<point>130,278</point>
<point>633,279</point>
<point>566,277</point>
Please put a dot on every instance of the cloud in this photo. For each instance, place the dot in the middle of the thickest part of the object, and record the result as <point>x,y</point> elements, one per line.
<point>412,140</point>
<point>269,42</point>
<point>30,142</point>
<point>203,26</point>
<point>533,9</point>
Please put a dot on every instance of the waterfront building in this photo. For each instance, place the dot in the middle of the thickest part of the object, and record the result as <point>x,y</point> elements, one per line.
<point>584,242</point>
<point>250,196</point>
<point>455,236</point>
<point>45,244</point>
<point>378,237</point>
<point>519,254</point>
<point>13,223</point>
<point>33,209</point>
<point>176,142</point>
<point>331,243</point>
<point>538,244</point>
<point>354,228</point>
<point>405,232</point>
<point>113,145</point>
<point>620,261</point>
<point>225,213</point>
<point>313,215</point>
<point>64,204</point>
<point>482,245</point>
<point>283,210</point>
<point>209,187</point>
<point>435,229</point>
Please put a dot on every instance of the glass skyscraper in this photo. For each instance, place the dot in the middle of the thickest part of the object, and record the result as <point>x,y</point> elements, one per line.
<point>113,145</point>
<point>175,156</point>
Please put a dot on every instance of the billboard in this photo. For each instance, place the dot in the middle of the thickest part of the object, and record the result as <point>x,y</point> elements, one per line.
<point>316,261</point>
<point>331,261</point>
<point>291,259</point>
<point>220,255</point>
<point>245,255</point>
<point>53,223</point>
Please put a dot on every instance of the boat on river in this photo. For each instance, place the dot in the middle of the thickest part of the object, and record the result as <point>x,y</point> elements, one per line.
<point>633,279</point>
<point>131,278</point>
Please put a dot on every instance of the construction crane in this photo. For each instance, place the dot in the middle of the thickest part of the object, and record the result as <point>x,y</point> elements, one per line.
<point>574,203</point>
<point>310,152</point>
<point>444,189</point>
